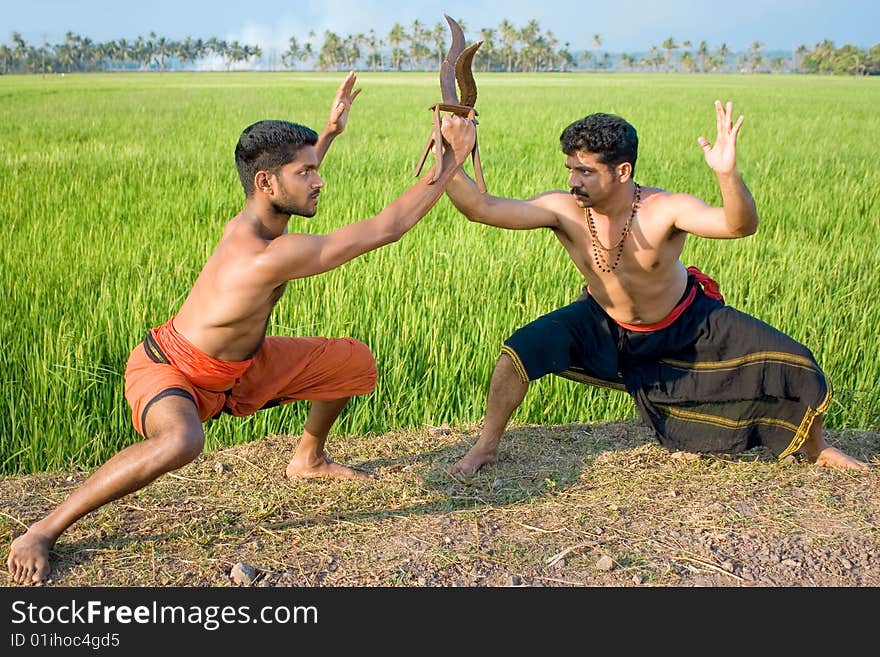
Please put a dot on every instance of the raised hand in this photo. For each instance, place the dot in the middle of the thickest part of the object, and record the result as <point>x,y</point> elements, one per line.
<point>342,104</point>
<point>721,157</point>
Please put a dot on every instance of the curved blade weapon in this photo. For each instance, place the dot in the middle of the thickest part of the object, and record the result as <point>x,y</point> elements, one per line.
<point>456,67</point>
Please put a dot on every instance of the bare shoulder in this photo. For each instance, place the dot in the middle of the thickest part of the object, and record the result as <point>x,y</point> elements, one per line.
<point>659,204</point>
<point>662,200</point>
<point>561,204</point>
<point>555,200</point>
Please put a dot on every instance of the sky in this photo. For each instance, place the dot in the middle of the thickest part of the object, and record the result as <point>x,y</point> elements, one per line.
<point>624,25</point>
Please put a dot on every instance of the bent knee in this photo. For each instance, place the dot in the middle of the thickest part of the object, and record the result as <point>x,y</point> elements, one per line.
<point>181,446</point>
<point>362,365</point>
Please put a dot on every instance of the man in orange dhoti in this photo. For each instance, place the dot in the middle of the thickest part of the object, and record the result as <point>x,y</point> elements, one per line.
<point>213,356</point>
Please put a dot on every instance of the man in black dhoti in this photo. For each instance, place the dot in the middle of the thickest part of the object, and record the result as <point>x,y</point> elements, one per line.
<point>705,376</point>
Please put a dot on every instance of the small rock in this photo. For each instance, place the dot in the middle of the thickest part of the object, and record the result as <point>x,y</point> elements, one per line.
<point>637,579</point>
<point>220,467</point>
<point>606,563</point>
<point>727,566</point>
<point>788,460</point>
<point>846,563</point>
<point>498,484</point>
<point>447,540</point>
<point>243,573</point>
<point>439,431</point>
<point>685,456</point>
<point>673,492</point>
<point>515,580</point>
<point>445,520</point>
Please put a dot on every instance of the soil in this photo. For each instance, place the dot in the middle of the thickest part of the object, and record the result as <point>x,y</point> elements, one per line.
<point>577,505</point>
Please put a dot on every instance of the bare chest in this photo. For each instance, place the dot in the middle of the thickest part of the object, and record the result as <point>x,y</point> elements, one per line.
<point>601,249</point>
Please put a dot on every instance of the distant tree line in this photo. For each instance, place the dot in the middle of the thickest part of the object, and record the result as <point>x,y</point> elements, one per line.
<point>422,48</point>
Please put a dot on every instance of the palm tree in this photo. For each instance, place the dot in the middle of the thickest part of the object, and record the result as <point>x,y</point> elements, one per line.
<point>508,34</point>
<point>123,51</point>
<point>627,60</point>
<point>351,50</point>
<point>20,46</point>
<point>586,57</point>
<point>487,50</point>
<point>703,54</point>
<point>332,52</point>
<point>395,38</point>
<point>755,58</point>
<point>293,53</point>
<point>66,51</point>
<point>687,61</point>
<point>565,58</point>
<point>418,50</point>
<point>5,56</point>
<point>374,59</point>
<point>799,54</point>
<point>438,38</point>
<point>668,46</point>
<point>722,53</point>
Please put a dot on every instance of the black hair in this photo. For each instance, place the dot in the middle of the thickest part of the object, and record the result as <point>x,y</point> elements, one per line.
<point>607,135</point>
<point>268,145</point>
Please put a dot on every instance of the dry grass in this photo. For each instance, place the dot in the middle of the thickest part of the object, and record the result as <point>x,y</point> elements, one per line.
<point>561,499</point>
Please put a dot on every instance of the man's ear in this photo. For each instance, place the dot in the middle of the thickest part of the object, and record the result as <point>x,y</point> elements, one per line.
<point>263,181</point>
<point>624,172</point>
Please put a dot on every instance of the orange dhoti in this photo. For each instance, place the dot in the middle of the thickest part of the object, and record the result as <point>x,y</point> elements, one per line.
<point>283,370</point>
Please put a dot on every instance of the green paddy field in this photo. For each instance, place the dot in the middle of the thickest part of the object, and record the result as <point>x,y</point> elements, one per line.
<point>114,189</point>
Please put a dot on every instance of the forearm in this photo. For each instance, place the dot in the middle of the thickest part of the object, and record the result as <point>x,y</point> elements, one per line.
<point>405,211</point>
<point>465,196</point>
<point>323,144</point>
<point>739,207</point>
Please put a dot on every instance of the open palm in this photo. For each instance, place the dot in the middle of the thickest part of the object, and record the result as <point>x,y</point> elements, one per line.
<point>342,104</point>
<point>721,156</point>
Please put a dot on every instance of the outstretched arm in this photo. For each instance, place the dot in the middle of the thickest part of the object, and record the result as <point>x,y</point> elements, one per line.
<point>339,110</point>
<point>300,255</point>
<point>536,212</point>
<point>737,216</point>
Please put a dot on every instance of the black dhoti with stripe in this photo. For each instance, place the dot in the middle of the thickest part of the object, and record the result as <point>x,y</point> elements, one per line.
<point>714,380</point>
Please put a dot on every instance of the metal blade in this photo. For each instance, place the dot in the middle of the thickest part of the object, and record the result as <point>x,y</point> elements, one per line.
<point>465,76</point>
<point>447,68</point>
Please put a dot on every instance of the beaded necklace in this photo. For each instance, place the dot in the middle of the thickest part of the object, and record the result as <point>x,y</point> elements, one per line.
<point>601,254</point>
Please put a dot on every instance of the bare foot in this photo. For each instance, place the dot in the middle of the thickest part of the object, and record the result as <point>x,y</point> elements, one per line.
<point>831,457</point>
<point>28,561</point>
<point>473,461</point>
<point>326,469</point>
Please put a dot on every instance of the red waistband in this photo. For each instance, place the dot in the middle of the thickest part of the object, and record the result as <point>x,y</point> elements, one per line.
<point>710,289</point>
